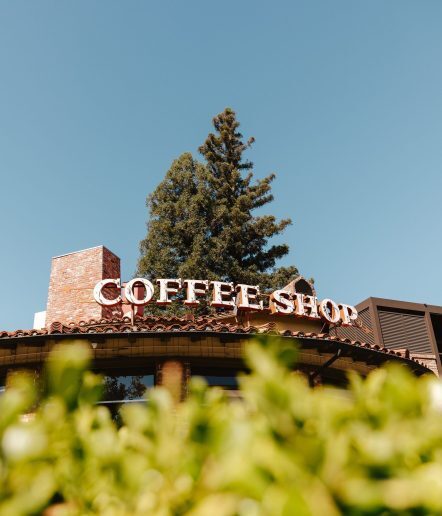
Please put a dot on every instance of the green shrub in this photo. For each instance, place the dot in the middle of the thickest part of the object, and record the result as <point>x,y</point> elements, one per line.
<point>284,449</point>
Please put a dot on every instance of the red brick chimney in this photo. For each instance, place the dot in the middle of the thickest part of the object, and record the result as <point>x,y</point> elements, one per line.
<point>73,278</point>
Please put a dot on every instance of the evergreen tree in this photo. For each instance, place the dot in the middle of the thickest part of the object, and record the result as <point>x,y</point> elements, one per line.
<point>201,217</point>
<point>238,239</point>
<point>176,232</point>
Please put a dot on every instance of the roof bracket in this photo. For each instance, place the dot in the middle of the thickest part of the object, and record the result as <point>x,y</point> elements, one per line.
<point>328,363</point>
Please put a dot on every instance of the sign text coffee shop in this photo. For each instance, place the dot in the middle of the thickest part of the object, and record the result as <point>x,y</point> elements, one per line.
<point>226,295</point>
<point>88,301</point>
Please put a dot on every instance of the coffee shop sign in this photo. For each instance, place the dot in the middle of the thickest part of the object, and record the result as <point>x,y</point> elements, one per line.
<point>241,297</point>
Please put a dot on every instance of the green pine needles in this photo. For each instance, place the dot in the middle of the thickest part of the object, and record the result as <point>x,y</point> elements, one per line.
<point>202,222</point>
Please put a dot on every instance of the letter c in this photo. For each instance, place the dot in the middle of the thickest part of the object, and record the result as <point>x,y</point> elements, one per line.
<point>98,292</point>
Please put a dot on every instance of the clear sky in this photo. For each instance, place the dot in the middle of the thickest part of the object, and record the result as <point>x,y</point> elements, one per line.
<point>344,99</point>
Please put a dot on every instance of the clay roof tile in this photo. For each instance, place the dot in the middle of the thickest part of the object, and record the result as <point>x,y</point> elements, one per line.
<point>154,323</point>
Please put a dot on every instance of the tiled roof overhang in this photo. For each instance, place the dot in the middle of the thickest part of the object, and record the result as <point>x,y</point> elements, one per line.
<point>152,325</point>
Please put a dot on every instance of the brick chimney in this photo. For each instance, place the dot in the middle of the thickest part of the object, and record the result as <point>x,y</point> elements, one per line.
<point>73,278</point>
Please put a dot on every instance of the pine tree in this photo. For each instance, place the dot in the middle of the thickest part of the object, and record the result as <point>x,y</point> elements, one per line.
<point>201,217</point>
<point>176,232</point>
<point>238,239</point>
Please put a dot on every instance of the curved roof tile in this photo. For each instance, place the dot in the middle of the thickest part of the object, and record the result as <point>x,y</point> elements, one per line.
<point>153,323</point>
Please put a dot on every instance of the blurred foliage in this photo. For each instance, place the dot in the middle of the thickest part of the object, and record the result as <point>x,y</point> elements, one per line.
<point>284,449</point>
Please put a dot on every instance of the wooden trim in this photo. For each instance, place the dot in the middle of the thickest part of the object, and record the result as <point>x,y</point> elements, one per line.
<point>401,305</point>
<point>377,331</point>
<point>433,341</point>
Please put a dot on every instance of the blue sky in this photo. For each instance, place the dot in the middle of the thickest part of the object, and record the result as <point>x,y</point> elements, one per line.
<point>344,99</point>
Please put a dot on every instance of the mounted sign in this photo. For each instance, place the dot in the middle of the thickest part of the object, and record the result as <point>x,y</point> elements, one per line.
<point>140,291</point>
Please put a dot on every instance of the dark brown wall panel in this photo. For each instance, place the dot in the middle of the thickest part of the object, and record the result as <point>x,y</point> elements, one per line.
<point>405,330</point>
<point>363,334</point>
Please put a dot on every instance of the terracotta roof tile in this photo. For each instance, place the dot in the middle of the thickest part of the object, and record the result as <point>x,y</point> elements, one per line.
<point>152,324</point>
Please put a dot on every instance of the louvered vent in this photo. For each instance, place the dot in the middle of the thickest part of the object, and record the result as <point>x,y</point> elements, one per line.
<point>363,333</point>
<point>367,327</point>
<point>402,330</point>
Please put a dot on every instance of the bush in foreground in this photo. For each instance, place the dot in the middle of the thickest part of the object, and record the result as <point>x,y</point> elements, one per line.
<point>285,449</point>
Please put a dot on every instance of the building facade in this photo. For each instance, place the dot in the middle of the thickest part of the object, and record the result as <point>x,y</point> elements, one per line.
<point>135,351</point>
<point>400,324</point>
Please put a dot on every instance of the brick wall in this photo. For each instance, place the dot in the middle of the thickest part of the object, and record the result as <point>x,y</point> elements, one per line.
<point>71,285</point>
<point>428,361</point>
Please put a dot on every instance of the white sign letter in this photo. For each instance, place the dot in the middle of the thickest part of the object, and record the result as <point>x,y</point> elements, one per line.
<point>130,294</point>
<point>348,314</point>
<point>281,303</point>
<point>222,294</point>
<point>247,297</point>
<point>194,288</point>
<point>329,310</point>
<point>167,286</point>
<point>98,292</point>
<point>306,306</point>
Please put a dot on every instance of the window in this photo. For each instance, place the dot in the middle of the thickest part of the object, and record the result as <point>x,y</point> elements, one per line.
<point>226,382</point>
<point>126,388</point>
<point>224,377</point>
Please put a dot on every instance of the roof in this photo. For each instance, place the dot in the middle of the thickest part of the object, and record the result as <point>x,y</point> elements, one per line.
<point>156,324</point>
<point>400,305</point>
